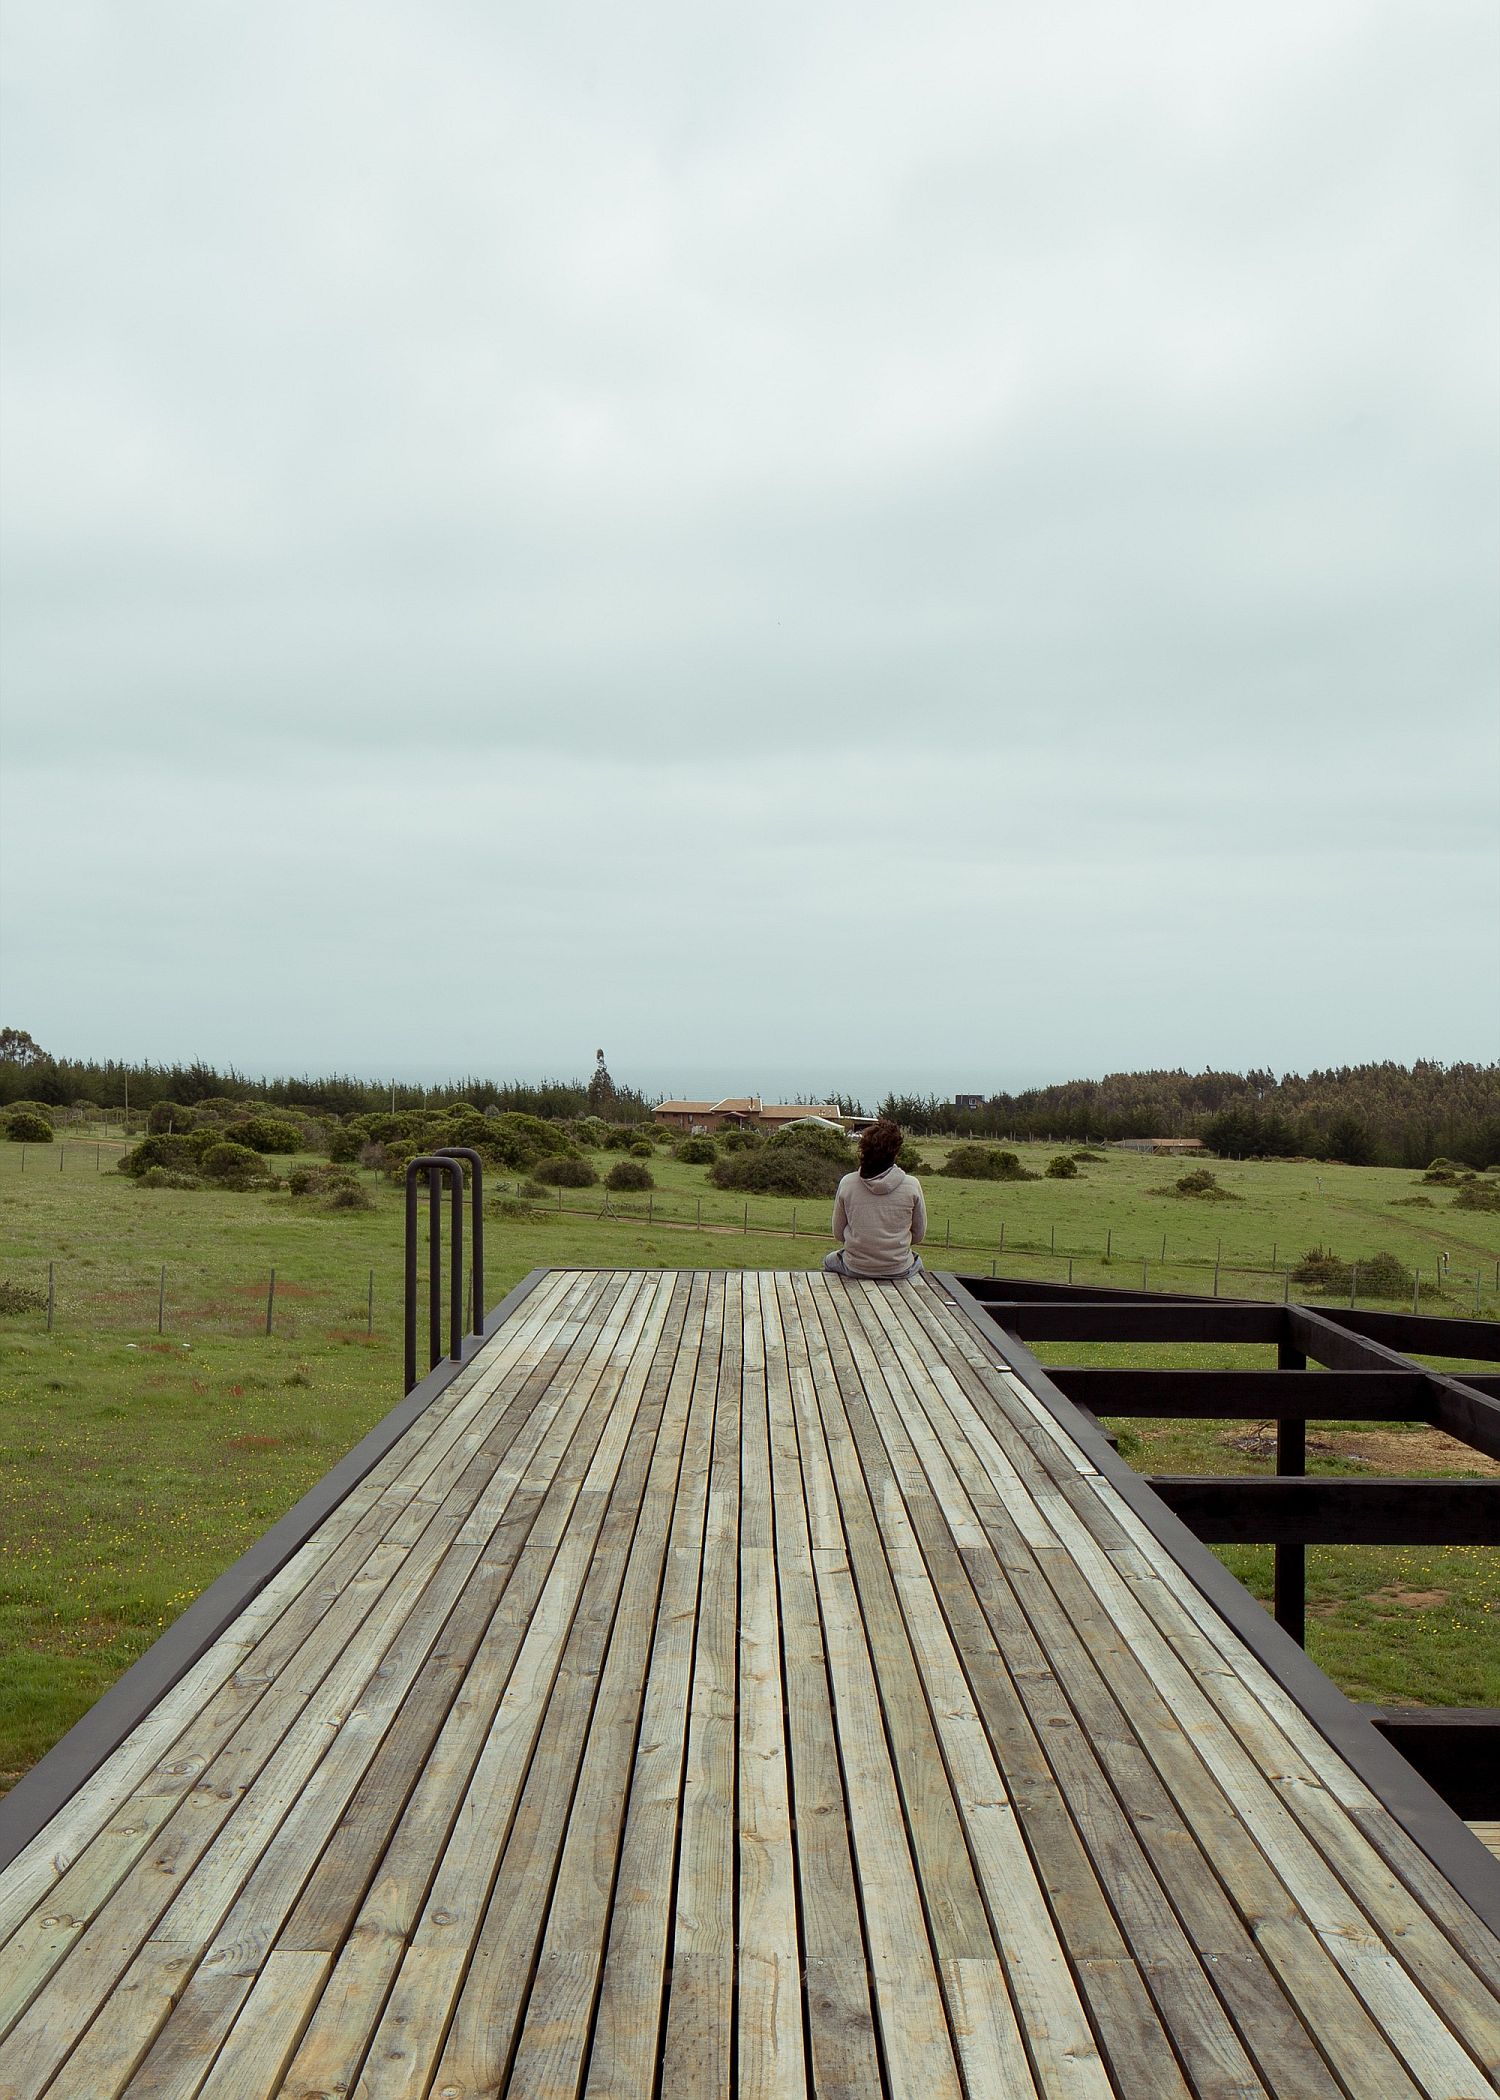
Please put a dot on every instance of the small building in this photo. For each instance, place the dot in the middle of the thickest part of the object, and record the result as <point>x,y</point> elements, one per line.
<point>1163,1147</point>
<point>968,1104</point>
<point>745,1111</point>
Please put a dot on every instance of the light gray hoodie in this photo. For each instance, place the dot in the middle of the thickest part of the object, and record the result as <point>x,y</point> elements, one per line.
<point>879,1221</point>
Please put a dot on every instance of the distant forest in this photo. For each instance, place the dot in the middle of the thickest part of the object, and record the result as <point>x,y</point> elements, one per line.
<point>1367,1115</point>
<point>1377,1114</point>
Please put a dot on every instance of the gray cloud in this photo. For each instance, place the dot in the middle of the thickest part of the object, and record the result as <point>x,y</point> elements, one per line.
<point>1008,510</point>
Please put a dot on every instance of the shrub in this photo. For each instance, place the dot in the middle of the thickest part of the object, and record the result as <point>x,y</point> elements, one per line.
<point>909,1159</point>
<point>1413,1202</point>
<point>1321,1270</point>
<point>779,1170</point>
<point>333,1186</point>
<point>232,1166</point>
<point>696,1151</point>
<point>345,1143</point>
<point>44,1109</point>
<point>23,1126</point>
<point>629,1174</point>
<point>168,1178</point>
<point>985,1163</point>
<point>815,1137</point>
<point>733,1138</point>
<point>20,1297</point>
<point>566,1173</point>
<point>175,1155</point>
<point>266,1134</point>
<point>1084,1153</point>
<point>643,1149</point>
<point>1199,1184</point>
<point>1062,1168</point>
<point>169,1118</point>
<point>1443,1173</point>
<point>1477,1195</point>
<point>1384,1276</point>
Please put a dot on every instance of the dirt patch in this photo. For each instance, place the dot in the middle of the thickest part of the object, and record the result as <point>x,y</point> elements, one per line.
<point>254,1443</point>
<point>1261,1443</point>
<point>1418,1450</point>
<point>1411,1600</point>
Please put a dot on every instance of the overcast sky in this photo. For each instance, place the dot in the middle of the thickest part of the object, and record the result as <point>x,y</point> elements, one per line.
<point>802,544</point>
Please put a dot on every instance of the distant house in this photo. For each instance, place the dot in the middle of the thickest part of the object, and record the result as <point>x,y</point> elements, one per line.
<point>745,1111</point>
<point>1165,1146</point>
<point>968,1102</point>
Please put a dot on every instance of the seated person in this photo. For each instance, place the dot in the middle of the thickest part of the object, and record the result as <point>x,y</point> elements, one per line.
<point>878,1213</point>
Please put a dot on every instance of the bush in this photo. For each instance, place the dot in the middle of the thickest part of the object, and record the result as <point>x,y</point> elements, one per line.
<point>1379,1275</point>
<point>1062,1168</point>
<point>909,1159</point>
<point>174,1155</point>
<point>566,1173</point>
<point>345,1143</point>
<point>629,1174</point>
<point>1384,1276</point>
<point>1085,1154</point>
<point>1413,1203</point>
<point>1477,1195</point>
<point>169,1118</point>
<point>733,1138</point>
<point>231,1166</point>
<point>643,1149</point>
<point>985,1163</point>
<point>44,1109</point>
<point>168,1178</point>
<point>23,1126</point>
<point>815,1137</point>
<point>1320,1270</point>
<point>332,1186</point>
<point>1200,1184</point>
<point>266,1134</point>
<point>696,1151</point>
<point>780,1170</point>
<point>20,1297</point>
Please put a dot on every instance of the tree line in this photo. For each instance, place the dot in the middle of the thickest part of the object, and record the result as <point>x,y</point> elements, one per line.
<point>1367,1115</point>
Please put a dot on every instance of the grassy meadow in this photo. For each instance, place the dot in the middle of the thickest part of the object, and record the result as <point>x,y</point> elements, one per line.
<point>136,1464</point>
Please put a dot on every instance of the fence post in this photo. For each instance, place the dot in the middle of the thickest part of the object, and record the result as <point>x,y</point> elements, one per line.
<point>62,1153</point>
<point>699,1226</point>
<point>51,1293</point>
<point>1054,1239</point>
<point>747,1217</point>
<point>270,1301</point>
<point>1216,1274</point>
<point>370,1306</point>
<point>161,1301</point>
<point>794,1221</point>
<point>1286,1285</point>
<point>1070,1268</point>
<point>1143,1272</point>
<point>1164,1246</point>
<point>1353,1282</point>
<point>948,1232</point>
<point>1002,1235</point>
<point>1109,1240</point>
<point>1416,1286</point>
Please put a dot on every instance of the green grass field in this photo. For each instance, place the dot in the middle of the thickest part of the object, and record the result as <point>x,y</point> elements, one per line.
<point>134,1465</point>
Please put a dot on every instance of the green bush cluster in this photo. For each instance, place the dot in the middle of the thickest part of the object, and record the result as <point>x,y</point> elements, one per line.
<point>695,1151</point>
<point>1382,1275</point>
<point>23,1126</point>
<point>1477,1195</point>
<point>985,1163</point>
<point>332,1186</point>
<point>266,1134</point>
<point>562,1173</point>
<point>1063,1167</point>
<point>629,1174</point>
<point>1200,1185</point>
<point>233,1166</point>
<point>780,1169</point>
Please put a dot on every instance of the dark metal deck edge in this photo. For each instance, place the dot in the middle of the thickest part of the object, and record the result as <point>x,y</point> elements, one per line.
<point>38,1795</point>
<point>1422,1813</point>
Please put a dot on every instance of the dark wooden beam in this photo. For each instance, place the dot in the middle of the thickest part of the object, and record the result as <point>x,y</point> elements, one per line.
<point>1455,1748</point>
<point>1454,1405</point>
<point>1250,1509</point>
<point>1422,1334</point>
<point>1248,1396</point>
<point>1139,1320</point>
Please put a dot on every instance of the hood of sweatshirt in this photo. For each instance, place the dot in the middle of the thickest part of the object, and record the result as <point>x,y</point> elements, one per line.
<point>885,1184</point>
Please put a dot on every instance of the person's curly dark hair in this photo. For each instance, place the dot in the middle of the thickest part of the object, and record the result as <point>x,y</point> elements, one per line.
<point>878,1147</point>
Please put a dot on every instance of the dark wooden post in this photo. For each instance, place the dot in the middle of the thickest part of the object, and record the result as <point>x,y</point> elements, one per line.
<point>1291,1561</point>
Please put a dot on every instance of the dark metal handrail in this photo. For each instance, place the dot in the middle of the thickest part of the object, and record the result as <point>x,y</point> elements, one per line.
<point>433,1164</point>
<point>476,1221</point>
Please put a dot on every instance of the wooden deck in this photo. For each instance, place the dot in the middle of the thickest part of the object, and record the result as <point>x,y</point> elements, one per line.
<point>735,1684</point>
